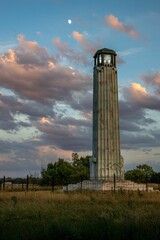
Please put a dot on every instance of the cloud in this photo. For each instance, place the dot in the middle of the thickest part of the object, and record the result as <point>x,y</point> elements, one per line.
<point>67,135</point>
<point>31,73</point>
<point>70,54</point>
<point>138,140</point>
<point>139,96</point>
<point>29,53</point>
<point>74,56</point>
<point>57,105</point>
<point>132,117</point>
<point>19,158</point>
<point>37,83</point>
<point>129,51</point>
<point>120,60</point>
<point>44,120</point>
<point>8,108</point>
<point>84,43</point>
<point>136,126</point>
<point>39,33</point>
<point>151,79</point>
<point>113,22</point>
<point>5,46</point>
<point>27,157</point>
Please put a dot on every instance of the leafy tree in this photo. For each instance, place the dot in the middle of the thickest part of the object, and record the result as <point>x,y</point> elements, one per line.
<point>63,172</point>
<point>47,174</point>
<point>146,171</point>
<point>143,173</point>
<point>81,167</point>
<point>59,173</point>
<point>134,175</point>
<point>155,178</point>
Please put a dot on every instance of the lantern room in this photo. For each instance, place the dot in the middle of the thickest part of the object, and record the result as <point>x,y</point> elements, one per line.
<point>105,57</point>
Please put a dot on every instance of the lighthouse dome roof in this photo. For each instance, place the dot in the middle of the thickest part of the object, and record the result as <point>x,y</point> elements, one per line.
<point>105,50</point>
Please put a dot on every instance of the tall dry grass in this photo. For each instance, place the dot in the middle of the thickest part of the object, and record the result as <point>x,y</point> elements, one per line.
<point>79,215</point>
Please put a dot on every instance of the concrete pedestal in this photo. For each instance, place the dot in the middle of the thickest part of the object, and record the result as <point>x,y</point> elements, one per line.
<point>103,185</point>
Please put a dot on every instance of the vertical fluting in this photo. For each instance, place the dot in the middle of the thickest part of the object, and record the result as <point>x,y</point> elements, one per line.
<point>106,136</point>
<point>113,121</point>
<point>101,123</point>
<point>110,123</point>
<point>94,173</point>
<point>105,123</point>
<point>117,155</point>
<point>117,132</point>
<point>98,149</point>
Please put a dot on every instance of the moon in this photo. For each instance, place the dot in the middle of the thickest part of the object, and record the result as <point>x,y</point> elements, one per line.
<point>69,21</point>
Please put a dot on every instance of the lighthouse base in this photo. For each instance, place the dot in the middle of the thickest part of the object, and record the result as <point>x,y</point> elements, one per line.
<point>104,185</point>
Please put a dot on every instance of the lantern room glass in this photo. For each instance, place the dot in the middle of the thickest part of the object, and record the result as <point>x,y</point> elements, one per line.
<point>107,58</point>
<point>100,59</point>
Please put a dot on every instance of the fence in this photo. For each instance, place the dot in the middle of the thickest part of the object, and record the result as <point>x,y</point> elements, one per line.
<point>25,184</point>
<point>34,184</point>
<point>112,185</point>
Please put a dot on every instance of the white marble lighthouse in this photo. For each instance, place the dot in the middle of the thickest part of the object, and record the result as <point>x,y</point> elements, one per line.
<point>106,164</point>
<point>106,161</point>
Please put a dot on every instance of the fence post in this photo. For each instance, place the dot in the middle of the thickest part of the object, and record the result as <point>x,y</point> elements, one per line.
<point>27,182</point>
<point>146,183</point>
<point>81,181</point>
<point>53,183</point>
<point>114,183</point>
<point>4,180</point>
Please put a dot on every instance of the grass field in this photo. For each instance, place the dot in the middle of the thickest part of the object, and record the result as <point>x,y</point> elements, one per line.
<point>83,215</point>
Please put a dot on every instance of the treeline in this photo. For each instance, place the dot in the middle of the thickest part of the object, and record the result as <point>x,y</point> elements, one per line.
<point>63,172</point>
<point>29,178</point>
<point>142,174</point>
<point>59,173</point>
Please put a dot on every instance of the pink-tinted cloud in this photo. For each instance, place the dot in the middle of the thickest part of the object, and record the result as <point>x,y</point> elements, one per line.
<point>135,93</point>
<point>138,95</point>
<point>69,134</point>
<point>32,73</point>
<point>84,43</point>
<point>114,22</point>
<point>30,53</point>
<point>40,82</point>
<point>77,57</point>
<point>120,60</point>
<point>70,54</point>
<point>62,47</point>
<point>151,79</point>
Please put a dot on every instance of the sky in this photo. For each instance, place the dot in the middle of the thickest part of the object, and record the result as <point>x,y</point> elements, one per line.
<point>46,79</point>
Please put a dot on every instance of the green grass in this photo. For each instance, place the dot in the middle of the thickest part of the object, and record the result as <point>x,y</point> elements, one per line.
<point>83,215</point>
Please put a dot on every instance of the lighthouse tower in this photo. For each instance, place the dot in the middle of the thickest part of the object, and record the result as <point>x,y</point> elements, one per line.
<point>106,161</point>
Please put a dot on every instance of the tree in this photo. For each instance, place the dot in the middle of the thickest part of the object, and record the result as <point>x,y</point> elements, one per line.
<point>155,178</point>
<point>59,173</point>
<point>143,173</point>
<point>63,172</point>
<point>81,167</point>
<point>146,171</point>
<point>47,174</point>
<point>134,175</point>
